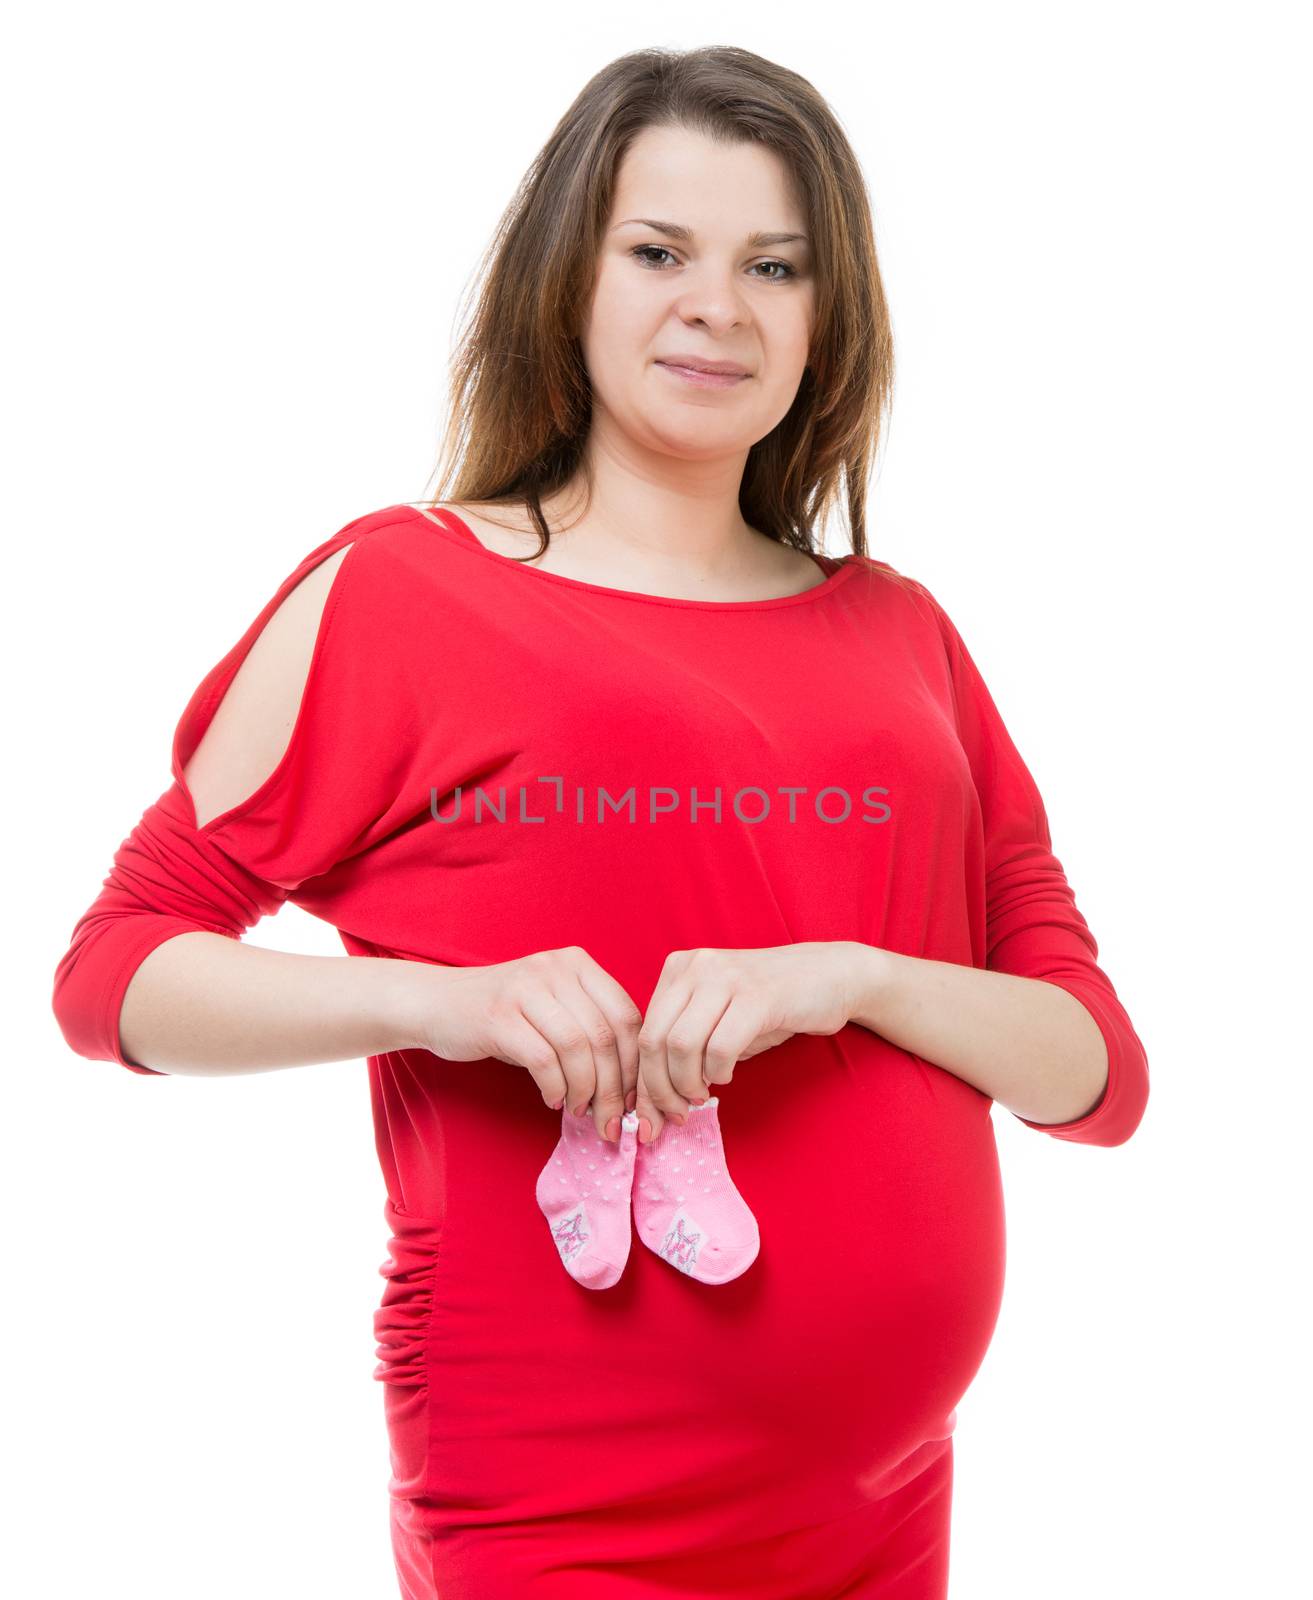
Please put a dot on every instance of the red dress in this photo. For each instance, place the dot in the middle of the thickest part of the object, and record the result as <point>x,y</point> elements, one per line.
<point>489,760</point>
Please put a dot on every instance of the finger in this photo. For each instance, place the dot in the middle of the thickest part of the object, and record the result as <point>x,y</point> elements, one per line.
<point>522,1045</point>
<point>731,1040</point>
<point>687,1039</point>
<point>656,1089</point>
<point>608,1099</point>
<point>568,1036</point>
<point>625,1019</point>
<point>649,1117</point>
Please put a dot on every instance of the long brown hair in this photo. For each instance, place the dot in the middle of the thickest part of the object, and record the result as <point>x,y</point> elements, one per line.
<point>520,396</point>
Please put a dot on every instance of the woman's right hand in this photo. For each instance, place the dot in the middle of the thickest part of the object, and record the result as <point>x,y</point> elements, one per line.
<point>556,1013</point>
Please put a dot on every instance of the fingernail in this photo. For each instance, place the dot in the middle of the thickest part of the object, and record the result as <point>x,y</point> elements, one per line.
<point>631,1099</point>
<point>580,1110</point>
<point>645,1130</point>
<point>557,1104</point>
<point>613,1128</point>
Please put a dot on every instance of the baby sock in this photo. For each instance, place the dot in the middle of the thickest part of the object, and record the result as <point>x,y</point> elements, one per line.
<point>584,1192</point>
<point>686,1207</point>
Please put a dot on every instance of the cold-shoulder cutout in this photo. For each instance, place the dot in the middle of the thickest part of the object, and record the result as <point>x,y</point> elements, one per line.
<point>251,730</point>
<point>315,760</point>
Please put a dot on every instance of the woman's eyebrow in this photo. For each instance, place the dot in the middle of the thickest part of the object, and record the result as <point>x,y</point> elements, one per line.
<point>676,230</point>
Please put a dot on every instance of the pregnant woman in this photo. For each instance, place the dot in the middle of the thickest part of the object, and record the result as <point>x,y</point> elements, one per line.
<point>655,837</point>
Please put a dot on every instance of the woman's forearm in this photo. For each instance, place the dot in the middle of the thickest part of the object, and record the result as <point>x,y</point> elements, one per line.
<point>204,1004</point>
<point>1027,1044</point>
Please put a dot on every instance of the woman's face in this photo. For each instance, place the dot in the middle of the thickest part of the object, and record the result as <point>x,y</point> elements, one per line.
<point>708,291</point>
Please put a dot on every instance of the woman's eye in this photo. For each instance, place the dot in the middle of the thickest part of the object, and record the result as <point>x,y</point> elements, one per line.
<point>640,252</point>
<point>789,270</point>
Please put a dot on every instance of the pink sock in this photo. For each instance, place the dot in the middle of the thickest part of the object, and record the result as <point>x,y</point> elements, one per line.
<point>584,1192</point>
<point>686,1207</point>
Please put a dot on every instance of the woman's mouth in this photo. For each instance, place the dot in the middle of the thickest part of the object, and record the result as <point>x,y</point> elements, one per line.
<point>704,380</point>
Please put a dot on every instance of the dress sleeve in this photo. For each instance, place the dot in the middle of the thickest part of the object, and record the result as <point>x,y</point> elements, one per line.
<point>1033,927</point>
<point>332,793</point>
<point>167,878</point>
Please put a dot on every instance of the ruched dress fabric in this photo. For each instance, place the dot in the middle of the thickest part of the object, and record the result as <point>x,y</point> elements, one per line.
<point>490,760</point>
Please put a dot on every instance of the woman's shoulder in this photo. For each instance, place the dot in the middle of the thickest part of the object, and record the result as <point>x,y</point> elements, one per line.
<point>894,575</point>
<point>506,529</point>
<point>895,583</point>
<point>341,602</point>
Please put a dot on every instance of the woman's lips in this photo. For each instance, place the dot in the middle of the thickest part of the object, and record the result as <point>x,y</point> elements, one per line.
<point>704,380</point>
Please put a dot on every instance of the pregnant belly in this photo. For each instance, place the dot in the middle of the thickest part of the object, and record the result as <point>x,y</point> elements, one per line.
<point>796,1392</point>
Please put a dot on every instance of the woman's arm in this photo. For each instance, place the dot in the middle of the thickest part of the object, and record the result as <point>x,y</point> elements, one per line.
<point>1010,1022</point>
<point>156,976</point>
<point>206,1004</point>
<point>1028,1044</point>
<point>156,972</point>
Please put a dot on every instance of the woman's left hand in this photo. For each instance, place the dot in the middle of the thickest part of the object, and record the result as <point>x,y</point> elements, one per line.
<point>714,1008</point>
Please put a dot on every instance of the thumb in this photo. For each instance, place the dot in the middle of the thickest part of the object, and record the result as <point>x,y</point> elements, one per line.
<point>649,1113</point>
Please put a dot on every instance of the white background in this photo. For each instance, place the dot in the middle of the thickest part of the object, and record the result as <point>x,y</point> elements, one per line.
<point>238,241</point>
